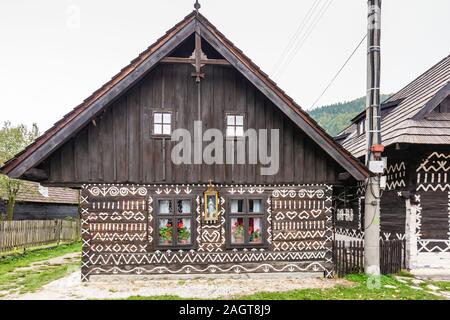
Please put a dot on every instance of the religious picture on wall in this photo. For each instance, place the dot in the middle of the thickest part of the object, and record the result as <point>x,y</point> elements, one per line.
<point>211,212</point>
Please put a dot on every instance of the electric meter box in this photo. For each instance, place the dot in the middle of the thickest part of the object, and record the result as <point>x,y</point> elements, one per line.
<point>377,166</point>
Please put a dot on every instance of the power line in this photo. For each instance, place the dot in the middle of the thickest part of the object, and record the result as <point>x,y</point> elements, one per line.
<point>340,70</point>
<point>295,36</point>
<point>305,36</point>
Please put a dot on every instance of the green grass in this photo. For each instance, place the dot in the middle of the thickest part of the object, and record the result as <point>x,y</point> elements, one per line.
<point>406,274</point>
<point>13,279</point>
<point>442,285</point>
<point>165,297</point>
<point>10,262</point>
<point>359,290</point>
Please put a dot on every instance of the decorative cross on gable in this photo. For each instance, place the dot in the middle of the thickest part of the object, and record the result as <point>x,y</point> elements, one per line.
<point>198,55</point>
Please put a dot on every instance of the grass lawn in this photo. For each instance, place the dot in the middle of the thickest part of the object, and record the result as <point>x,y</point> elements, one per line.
<point>389,289</point>
<point>21,273</point>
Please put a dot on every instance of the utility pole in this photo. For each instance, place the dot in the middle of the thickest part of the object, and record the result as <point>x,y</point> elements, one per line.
<point>373,142</point>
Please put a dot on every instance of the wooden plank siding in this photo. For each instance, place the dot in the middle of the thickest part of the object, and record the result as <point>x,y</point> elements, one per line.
<point>118,146</point>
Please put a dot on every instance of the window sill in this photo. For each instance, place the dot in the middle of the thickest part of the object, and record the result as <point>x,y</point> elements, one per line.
<point>175,247</point>
<point>249,247</point>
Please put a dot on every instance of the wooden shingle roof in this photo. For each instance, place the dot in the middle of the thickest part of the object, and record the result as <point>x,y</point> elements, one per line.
<point>29,192</point>
<point>410,121</point>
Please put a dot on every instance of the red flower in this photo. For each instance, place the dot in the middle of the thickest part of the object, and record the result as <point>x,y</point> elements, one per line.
<point>168,225</point>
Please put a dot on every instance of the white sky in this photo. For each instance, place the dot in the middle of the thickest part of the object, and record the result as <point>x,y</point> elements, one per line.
<point>48,64</point>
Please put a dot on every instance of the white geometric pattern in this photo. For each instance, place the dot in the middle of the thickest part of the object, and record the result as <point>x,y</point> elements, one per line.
<point>314,266</point>
<point>202,257</point>
<point>433,245</point>
<point>210,238</point>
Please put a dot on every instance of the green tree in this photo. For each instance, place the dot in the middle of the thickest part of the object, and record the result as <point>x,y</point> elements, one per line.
<point>336,117</point>
<point>15,138</point>
<point>12,140</point>
<point>10,188</point>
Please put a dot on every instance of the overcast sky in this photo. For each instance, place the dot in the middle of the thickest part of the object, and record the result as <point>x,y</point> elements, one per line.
<point>55,53</point>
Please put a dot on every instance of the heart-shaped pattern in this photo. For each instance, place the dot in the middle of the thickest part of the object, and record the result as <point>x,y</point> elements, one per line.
<point>211,236</point>
<point>316,213</point>
<point>291,214</point>
<point>279,216</point>
<point>303,215</point>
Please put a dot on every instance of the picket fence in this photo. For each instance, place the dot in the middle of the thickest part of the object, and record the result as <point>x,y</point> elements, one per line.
<point>348,256</point>
<point>23,234</point>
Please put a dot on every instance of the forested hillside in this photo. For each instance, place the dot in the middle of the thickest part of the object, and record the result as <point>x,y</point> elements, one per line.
<point>335,117</point>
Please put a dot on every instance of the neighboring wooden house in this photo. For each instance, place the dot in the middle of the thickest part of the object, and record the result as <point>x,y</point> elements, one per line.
<point>415,124</point>
<point>143,214</point>
<point>34,202</point>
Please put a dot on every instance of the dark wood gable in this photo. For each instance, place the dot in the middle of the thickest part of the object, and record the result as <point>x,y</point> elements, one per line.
<point>108,137</point>
<point>118,144</point>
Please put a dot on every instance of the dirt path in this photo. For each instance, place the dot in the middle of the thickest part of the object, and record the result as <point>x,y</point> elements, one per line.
<point>57,261</point>
<point>423,283</point>
<point>113,287</point>
<point>23,279</point>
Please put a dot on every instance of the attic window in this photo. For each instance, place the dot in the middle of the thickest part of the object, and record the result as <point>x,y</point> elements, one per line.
<point>162,123</point>
<point>361,127</point>
<point>235,125</point>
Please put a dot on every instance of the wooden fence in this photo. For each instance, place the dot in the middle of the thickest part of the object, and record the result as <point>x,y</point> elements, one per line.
<point>24,234</point>
<point>348,256</point>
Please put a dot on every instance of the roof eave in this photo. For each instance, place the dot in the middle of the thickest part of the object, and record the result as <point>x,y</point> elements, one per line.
<point>61,132</point>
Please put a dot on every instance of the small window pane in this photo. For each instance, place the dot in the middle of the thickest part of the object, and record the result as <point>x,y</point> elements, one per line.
<point>254,230</point>
<point>183,206</point>
<point>230,132</point>
<point>361,127</point>
<point>165,231</point>
<point>165,206</point>
<point>157,118</point>
<point>237,205</point>
<point>239,120</point>
<point>157,129</point>
<point>166,129</point>
<point>231,120</point>
<point>237,230</point>
<point>254,205</point>
<point>166,117</point>
<point>239,131</point>
<point>184,231</point>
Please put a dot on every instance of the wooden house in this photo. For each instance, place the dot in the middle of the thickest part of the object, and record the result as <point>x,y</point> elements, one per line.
<point>415,205</point>
<point>142,213</point>
<point>35,202</point>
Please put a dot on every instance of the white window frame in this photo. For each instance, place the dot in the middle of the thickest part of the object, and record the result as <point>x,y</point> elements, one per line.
<point>162,121</point>
<point>361,127</point>
<point>235,125</point>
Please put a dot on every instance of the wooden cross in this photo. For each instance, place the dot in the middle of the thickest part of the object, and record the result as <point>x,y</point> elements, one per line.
<point>198,59</point>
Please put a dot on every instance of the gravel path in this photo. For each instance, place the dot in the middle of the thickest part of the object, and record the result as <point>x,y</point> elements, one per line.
<point>109,287</point>
<point>64,259</point>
